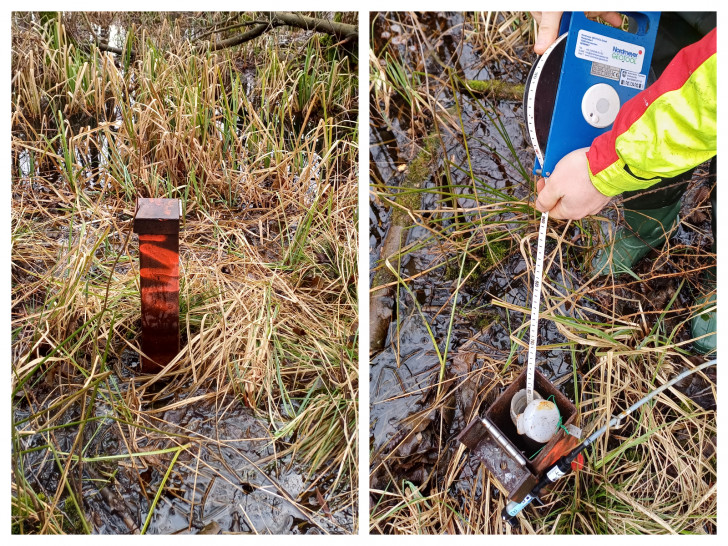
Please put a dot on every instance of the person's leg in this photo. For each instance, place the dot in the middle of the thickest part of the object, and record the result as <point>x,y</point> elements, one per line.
<point>651,215</point>
<point>703,325</point>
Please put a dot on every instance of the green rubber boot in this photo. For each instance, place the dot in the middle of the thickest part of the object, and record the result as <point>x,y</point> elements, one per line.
<point>704,323</point>
<point>646,229</point>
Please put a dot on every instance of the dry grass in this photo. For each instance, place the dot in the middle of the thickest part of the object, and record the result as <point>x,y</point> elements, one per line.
<point>623,336</point>
<point>259,143</point>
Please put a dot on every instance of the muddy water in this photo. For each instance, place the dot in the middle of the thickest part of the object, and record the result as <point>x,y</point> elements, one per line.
<point>229,482</point>
<point>230,479</point>
<point>226,482</point>
<point>396,390</point>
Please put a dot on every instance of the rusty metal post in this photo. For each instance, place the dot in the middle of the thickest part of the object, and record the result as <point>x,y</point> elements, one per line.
<point>157,223</point>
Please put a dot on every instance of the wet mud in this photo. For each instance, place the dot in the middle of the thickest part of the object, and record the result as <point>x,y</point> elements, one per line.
<point>227,478</point>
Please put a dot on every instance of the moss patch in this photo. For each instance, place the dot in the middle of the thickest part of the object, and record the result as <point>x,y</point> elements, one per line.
<point>417,173</point>
<point>497,89</point>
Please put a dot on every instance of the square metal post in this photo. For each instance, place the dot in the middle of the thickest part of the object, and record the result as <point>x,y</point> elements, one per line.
<point>157,223</point>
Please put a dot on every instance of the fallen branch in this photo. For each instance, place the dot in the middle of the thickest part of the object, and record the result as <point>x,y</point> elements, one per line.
<point>383,286</point>
<point>383,283</point>
<point>225,25</point>
<point>246,36</point>
<point>104,46</point>
<point>342,31</point>
<point>268,21</point>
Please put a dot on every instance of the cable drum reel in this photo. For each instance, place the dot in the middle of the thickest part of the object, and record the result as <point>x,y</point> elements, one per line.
<point>572,95</point>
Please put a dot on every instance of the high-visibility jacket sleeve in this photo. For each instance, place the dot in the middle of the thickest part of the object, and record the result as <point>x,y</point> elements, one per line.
<point>665,130</point>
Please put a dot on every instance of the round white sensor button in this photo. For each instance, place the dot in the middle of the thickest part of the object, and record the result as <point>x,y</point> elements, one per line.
<point>600,105</point>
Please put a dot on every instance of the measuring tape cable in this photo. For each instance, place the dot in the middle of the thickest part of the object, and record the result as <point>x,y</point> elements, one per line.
<point>538,270</point>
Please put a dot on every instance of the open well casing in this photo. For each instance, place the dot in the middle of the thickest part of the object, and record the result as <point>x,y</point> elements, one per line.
<point>517,479</point>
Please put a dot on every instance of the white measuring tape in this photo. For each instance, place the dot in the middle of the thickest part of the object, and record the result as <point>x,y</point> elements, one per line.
<point>538,270</point>
<point>535,304</point>
<point>531,98</point>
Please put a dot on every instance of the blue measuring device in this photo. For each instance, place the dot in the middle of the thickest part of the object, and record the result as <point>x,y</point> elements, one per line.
<point>573,94</point>
<point>598,68</point>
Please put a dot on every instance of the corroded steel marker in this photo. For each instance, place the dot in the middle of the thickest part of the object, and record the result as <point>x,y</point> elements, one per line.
<point>157,223</point>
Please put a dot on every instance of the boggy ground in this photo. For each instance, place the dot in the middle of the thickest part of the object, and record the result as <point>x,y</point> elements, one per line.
<point>450,177</point>
<point>258,141</point>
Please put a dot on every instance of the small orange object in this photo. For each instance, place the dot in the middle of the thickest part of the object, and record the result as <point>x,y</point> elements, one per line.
<point>564,444</point>
<point>578,463</point>
<point>157,223</point>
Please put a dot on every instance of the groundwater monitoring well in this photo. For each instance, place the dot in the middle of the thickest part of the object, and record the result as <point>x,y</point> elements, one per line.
<point>514,460</point>
<point>157,224</point>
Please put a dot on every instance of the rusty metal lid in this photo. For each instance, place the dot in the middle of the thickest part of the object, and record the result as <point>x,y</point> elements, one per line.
<point>157,216</point>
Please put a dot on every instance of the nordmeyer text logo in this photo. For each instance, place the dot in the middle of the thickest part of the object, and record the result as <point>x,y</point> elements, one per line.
<point>625,55</point>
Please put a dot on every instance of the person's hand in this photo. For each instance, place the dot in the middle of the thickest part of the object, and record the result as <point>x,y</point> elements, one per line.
<point>569,194</point>
<point>548,25</point>
<point>548,29</point>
